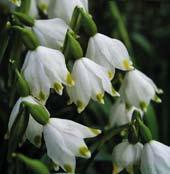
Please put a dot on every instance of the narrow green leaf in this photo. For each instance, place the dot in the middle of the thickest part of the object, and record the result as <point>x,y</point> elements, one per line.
<point>35,165</point>
<point>151,121</point>
<point>4,38</point>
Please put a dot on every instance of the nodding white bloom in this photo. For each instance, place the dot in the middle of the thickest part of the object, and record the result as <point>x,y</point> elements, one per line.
<point>45,68</point>
<point>108,52</point>
<point>64,9</point>
<point>51,33</point>
<point>64,141</point>
<point>33,11</point>
<point>155,158</point>
<point>137,90</point>
<point>125,155</point>
<point>121,114</point>
<point>91,81</point>
<point>34,129</point>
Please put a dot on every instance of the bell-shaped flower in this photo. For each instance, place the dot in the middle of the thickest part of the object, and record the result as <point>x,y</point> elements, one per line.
<point>125,156</point>
<point>155,158</point>
<point>34,129</point>
<point>33,11</point>
<point>45,68</point>
<point>121,114</point>
<point>91,81</point>
<point>64,141</point>
<point>137,90</point>
<point>64,9</point>
<point>51,33</point>
<point>108,52</point>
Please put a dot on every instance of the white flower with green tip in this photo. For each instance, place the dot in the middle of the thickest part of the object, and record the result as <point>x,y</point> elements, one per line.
<point>64,9</point>
<point>108,52</point>
<point>34,129</point>
<point>45,68</point>
<point>155,158</point>
<point>91,81</point>
<point>51,33</point>
<point>125,156</point>
<point>137,90</point>
<point>121,114</point>
<point>64,141</point>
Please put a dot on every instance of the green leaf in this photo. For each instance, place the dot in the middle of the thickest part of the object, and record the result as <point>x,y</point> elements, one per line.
<point>151,121</point>
<point>4,43</point>
<point>35,165</point>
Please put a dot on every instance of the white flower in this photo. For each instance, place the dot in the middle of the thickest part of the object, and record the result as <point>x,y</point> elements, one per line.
<point>33,11</point>
<point>137,89</point>
<point>125,155</point>
<point>91,81</point>
<point>64,9</point>
<point>120,114</point>
<point>108,52</point>
<point>34,129</point>
<point>64,141</point>
<point>51,33</point>
<point>45,68</point>
<point>155,158</point>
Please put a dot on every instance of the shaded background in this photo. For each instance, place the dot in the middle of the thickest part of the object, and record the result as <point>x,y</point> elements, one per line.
<point>145,29</point>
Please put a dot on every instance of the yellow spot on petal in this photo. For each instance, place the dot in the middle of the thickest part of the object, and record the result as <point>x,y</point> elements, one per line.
<point>80,106</point>
<point>110,75</point>
<point>115,93</point>
<point>95,131</point>
<point>41,96</point>
<point>58,88</point>
<point>143,106</point>
<point>84,151</point>
<point>99,98</point>
<point>69,80</point>
<point>128,64</point>
<point>115,169</point>
<point>43,7</point>
<point>68,168</point>
<point>157,99</point>
<point>37,140</point>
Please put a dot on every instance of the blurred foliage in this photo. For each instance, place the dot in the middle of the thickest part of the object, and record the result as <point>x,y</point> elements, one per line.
<point>145,29</point>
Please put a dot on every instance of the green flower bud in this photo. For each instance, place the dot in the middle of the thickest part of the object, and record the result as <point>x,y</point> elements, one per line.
<point>145,132</point>
<point>29,38</point>
<point>22,85</point>
<point>24,19</point>
<point>38,111</point>
<point>72,47</point>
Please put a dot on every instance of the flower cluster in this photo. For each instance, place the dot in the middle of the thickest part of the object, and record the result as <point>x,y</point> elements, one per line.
<point>54,42</point>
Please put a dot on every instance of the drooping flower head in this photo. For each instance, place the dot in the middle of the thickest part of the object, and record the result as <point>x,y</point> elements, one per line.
<point>91,81</point>
<point>64,141</point>
<point>108,52</point>
<point>45,68</point>
<point>125,155</point>
<point>34,129</point>
<point>155,158</point>
<point>137,90</point>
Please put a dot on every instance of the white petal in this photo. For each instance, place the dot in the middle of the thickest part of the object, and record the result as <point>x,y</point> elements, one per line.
<point>80,93</point>
<point>57,149</point>
<point>64,9</point>
<point>74,128</point>
<point>51,32</point>
<point>34,132</point>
